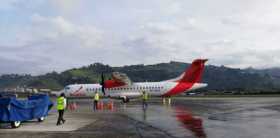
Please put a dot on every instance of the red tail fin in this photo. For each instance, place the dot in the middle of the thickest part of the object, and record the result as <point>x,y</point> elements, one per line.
<point>194,73</point>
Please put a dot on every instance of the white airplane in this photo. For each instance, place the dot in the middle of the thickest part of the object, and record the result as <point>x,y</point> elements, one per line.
<point>121,87</point>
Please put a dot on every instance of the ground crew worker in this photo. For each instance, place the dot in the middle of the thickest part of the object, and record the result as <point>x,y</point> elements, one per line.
<point>144,99</point>
<point>95,102</point>
<point>61,104</point>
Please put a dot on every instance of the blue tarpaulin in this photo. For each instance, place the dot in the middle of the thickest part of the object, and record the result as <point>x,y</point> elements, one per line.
<point>36,106</point>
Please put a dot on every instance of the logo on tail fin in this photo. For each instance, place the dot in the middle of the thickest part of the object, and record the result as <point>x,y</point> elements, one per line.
<point>189,79</point>
<point>194,73</point>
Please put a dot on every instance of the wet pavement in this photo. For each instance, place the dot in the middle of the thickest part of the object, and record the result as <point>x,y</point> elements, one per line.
<point>175,121</point>
<point>244,117</point>
<point>189,117</point>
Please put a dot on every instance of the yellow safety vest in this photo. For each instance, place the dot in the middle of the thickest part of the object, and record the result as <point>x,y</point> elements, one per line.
<point>60,103</point>
<point>145,96</point>
<point>96,97</point>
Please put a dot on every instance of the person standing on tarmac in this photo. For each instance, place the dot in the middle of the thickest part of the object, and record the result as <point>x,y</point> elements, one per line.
<point>61,104</point>
<point>144,99</point>
<point>95,101</point>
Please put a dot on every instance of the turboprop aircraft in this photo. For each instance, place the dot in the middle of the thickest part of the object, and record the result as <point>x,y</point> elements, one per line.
<point>123,88</point>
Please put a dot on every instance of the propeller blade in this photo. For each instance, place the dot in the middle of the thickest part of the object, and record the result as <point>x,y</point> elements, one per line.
<point>102,84</point>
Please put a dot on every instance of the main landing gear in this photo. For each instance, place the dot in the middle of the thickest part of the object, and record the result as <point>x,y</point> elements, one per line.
<point>164,100</point>
<point>125,99</point>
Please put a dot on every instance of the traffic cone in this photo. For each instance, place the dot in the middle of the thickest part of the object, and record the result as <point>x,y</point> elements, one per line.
<point>100,105</point>
<point>111,105</point>
<point>74,106</point>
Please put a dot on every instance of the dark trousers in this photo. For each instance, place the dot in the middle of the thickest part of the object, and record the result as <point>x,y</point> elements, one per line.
<point>145,104</point>
<point>95,103</point>
<point>60,117</point>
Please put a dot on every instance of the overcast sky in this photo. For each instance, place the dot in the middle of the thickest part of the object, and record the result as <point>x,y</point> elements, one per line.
<point>39,36</point>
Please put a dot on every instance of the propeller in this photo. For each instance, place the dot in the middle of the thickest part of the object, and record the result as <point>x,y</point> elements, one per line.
<point>102,83</point>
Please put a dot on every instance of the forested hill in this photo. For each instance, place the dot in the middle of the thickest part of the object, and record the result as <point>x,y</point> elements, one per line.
<point>218,78</point>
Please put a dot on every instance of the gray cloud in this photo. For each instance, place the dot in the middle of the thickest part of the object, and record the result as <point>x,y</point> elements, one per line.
<point>56,35</point>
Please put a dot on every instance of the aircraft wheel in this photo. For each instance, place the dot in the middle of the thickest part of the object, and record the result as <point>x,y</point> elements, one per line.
<point>15,124</point>
<point>125,100</point>
<point>41,119</point>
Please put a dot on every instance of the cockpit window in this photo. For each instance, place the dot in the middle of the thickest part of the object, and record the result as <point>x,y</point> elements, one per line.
<point>67,88</point>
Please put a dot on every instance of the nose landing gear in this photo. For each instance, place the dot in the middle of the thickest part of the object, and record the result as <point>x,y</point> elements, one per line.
<point>125,99</point>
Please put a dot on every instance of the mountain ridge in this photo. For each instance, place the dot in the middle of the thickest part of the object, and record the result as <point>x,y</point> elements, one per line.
<point>218,77</point>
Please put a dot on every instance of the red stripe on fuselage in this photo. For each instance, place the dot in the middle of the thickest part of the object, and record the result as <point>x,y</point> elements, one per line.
<point>78,92</point>
<point>179,88</point>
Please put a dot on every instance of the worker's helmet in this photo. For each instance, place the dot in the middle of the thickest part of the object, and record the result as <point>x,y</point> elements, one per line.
<point>62,95</point>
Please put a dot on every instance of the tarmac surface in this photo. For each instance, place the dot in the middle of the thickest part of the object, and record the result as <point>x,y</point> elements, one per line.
<point>187,117</point>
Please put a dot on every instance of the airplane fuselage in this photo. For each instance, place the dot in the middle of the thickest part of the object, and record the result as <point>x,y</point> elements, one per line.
<point>134,90</point>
